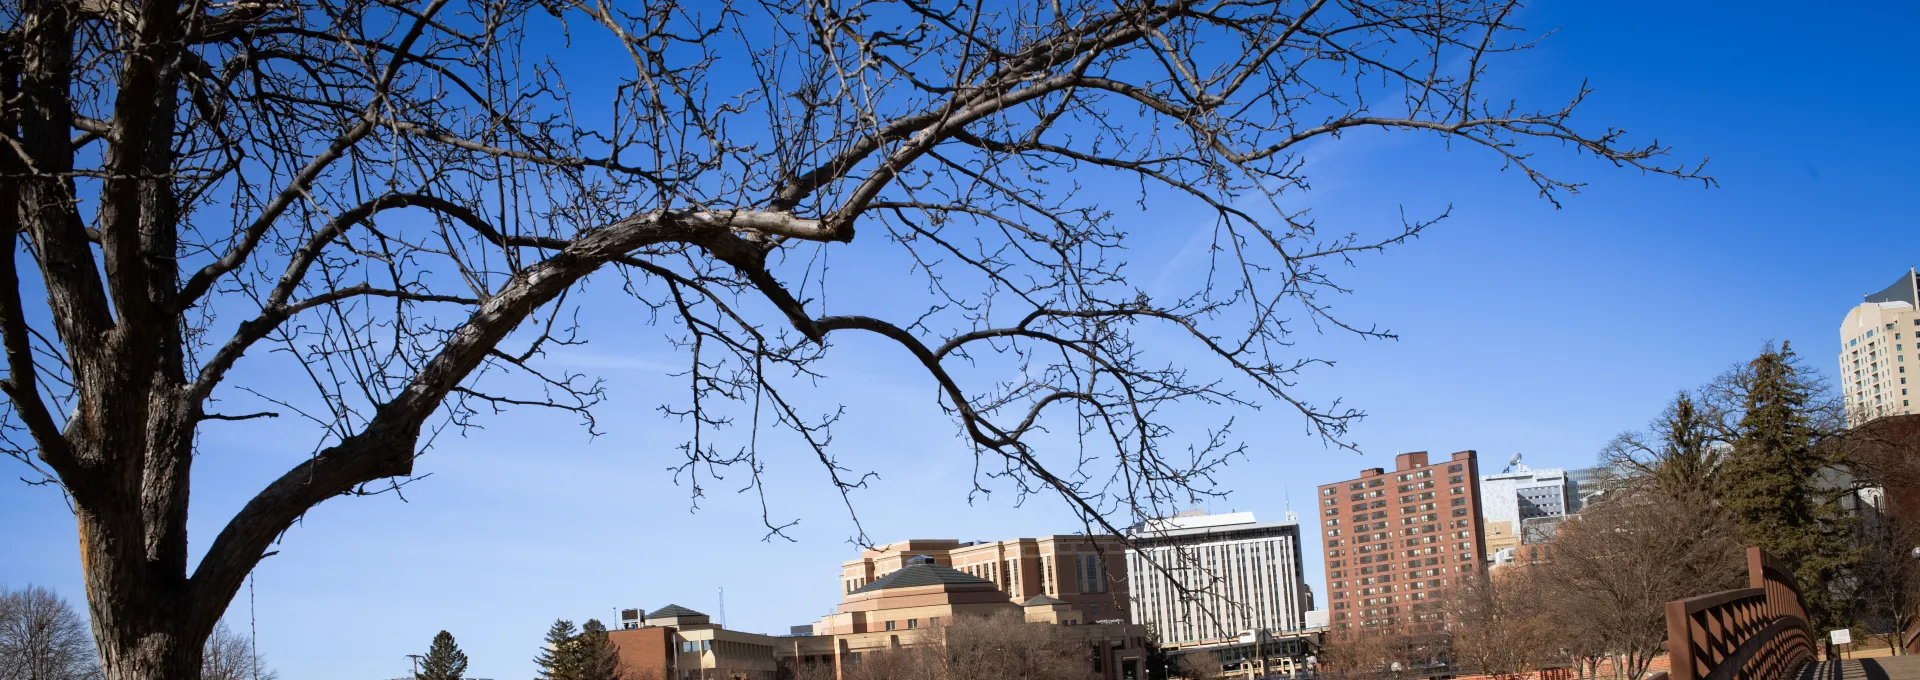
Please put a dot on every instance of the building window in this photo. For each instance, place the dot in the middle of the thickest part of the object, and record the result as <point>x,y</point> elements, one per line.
<point>933,621</point>
<point>1093,579</point>
<point>913,623</point>
<point>890,625</point>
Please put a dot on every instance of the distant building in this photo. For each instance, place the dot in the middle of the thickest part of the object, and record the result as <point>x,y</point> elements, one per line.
<point>1873,351</point>
<point>1584,486</point>
<point>1317,618</point>
<point>1397,542</point>
<point>1518,495</point>
<point>906,605</point>
<point>1085,571</point>
<point>677,643</point>
<point>1199,578</point>
<point>1521,494</point>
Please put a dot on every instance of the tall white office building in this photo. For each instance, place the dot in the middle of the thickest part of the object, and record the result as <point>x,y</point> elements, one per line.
<point>1874,351</point>
<point>1519,493</point>
<point>1198,578</point>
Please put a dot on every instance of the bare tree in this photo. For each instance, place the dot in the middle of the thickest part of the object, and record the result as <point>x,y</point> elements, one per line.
<point>43,638</point>
<point>1886,593</point>
<point>1613,568</point>
<point>232,656</point>
<point>914,662</point>
<point>795,671</point>
<point>1201,666</point>
<point>395,201</point>
<point>1367,653</point>
<point>1499,625</point>
<point>1680,451</point>
<point>1007,647</point>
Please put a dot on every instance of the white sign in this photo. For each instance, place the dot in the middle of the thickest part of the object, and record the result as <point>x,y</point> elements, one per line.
<point>1841,636</point>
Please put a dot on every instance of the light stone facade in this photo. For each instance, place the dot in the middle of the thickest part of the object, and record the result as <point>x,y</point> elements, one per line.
<point>1876,338</point>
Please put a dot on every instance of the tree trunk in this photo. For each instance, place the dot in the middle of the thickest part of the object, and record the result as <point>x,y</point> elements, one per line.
<point>144,630</point>
<point>149,622</point>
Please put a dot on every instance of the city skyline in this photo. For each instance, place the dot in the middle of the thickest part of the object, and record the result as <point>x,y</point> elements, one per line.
<point>1522,330</point>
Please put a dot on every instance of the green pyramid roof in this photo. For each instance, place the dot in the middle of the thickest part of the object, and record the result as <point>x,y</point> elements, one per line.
<point>922,574</point>
<point>672,610</point>
<point>1042,601</point>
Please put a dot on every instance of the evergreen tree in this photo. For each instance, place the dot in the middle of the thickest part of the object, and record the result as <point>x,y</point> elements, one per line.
<point>560,660</point>
<point>444,660</point>
<point>1769,479</point>
<point>599,660</point>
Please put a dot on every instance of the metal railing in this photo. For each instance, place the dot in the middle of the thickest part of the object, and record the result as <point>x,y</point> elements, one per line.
<point>1755,633</point>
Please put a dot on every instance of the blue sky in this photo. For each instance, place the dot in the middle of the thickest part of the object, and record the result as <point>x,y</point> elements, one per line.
<point>1524,329</point>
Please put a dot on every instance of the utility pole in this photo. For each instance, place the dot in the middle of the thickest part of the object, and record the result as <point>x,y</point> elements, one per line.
<point>416,663</point>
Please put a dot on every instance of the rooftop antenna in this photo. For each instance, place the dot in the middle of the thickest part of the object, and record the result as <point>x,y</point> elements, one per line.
<point>1291,515</point>
<point>723,606</point>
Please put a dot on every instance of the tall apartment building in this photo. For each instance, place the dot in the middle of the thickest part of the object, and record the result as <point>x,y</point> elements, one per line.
<point>1199,578</point>
<point>1873,352</point>
<point>1397,542</point>
<point>1087,572</point>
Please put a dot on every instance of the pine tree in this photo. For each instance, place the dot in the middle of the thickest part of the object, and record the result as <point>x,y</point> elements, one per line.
<point>560,660</point>
<point>444,660</point>
<point>1769,480</point>
<point>599,660</point>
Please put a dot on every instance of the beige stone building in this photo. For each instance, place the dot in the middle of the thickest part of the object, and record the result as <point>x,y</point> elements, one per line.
<point>1087,572</point>
<point>1500,535</point>
<point>1875,340</point>
<point>908,604</point>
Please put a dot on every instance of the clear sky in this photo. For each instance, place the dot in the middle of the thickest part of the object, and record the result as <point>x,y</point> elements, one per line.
<point>1524,329</point>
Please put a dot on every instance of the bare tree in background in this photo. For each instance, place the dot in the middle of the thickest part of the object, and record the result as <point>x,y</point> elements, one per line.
<point>231,656</point>
<point>1679,453</point>
<point>1499,626</point>
<point>43,638</point>
<point>1611,571</point>
<point>396,203</point>
<point>1366,653</point>
<point>1201,666</point>
<point>1881,588</point>
<point>913,662</point>
<point>1006,647</point>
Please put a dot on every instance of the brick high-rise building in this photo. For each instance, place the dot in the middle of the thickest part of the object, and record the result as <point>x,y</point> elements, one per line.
<point>1397,542</point>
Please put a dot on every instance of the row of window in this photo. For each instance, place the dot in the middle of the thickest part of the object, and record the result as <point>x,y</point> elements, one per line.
<point>912,624</point>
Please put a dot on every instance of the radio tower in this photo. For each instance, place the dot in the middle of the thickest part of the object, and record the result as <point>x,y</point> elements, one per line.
<point>723,606</point>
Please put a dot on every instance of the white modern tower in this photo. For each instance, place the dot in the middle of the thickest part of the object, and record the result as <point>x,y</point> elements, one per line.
<point>1197,577</point>
<point>1875,340</point>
